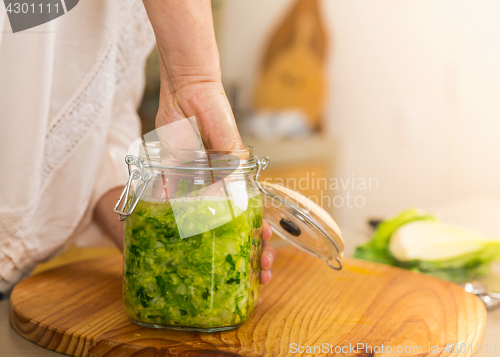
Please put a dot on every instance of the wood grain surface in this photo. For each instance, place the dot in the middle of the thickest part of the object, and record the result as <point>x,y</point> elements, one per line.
<point>77,310</point>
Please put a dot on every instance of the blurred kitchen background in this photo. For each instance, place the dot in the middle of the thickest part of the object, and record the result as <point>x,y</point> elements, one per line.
<point>403,96</point>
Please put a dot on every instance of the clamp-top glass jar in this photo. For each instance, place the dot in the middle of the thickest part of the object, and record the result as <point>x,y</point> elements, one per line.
<point>193,236</point>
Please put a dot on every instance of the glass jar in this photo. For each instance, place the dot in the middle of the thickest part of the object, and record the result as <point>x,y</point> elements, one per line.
<point>193,235</point>
<point>193,239</point>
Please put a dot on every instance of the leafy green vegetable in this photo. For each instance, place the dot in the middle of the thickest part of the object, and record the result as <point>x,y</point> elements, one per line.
<point>416,241</point>
<point>376,249</point>
<point>207,280</point>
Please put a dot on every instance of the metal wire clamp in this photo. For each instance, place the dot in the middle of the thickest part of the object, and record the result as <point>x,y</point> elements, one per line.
<point>134,174</point>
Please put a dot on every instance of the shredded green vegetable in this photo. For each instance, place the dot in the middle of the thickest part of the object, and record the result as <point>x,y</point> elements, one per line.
<point>208,280</point>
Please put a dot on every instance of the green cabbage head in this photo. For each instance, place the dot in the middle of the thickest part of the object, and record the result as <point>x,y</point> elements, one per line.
<point>415,240</point>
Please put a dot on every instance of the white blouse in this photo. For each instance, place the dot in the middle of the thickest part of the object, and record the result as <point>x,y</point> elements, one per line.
<point>69,90</point>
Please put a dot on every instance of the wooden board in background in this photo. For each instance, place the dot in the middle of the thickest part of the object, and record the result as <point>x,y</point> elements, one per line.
<point>77,309</point>
<point>293,74</point>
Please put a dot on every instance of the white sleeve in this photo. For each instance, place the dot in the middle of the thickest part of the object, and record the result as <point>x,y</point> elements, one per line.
<point>123,130</point>
<point>67,146</point>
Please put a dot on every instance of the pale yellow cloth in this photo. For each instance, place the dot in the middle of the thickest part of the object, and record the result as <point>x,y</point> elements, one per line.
<point>68,96</point>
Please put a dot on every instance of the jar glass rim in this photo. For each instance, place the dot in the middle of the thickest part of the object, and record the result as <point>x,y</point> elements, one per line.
<point>221,151</point>
<point>159,157</point>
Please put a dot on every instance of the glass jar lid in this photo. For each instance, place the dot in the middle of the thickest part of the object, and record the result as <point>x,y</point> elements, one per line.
<point>300,221</point>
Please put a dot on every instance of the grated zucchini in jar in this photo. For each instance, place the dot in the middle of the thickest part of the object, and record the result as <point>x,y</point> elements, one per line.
<point>207,280</point>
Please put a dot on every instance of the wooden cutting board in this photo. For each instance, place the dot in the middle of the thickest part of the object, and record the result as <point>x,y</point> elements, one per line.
<point>77,309</point>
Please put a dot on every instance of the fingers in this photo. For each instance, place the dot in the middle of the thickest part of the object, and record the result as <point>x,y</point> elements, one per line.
<point>267,232</point>
<point>266,261</point>
<point>268,255</point>
<point>265,276</point>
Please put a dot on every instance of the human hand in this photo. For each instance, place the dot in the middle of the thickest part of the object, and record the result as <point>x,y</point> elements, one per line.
<point>191,87</point>
<point>207,102</point>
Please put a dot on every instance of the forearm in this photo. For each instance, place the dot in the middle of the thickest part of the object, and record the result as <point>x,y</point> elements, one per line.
<point>107,219</point>
<point>186,40</point>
